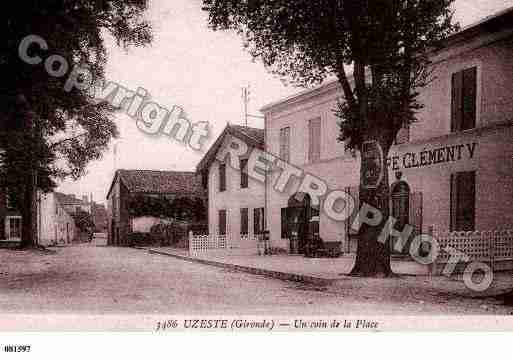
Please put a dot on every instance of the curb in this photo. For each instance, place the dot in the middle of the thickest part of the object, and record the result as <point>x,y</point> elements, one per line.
<point>294,277</point>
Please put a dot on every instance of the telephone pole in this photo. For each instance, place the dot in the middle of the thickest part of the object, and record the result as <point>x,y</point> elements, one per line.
<point>246,98</point>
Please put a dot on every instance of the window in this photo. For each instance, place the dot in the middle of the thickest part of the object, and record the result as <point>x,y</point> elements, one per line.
<point>222,177</point>
<point>463,201</point>
<point>314,140</point>
<point>244,179</point>
<point>403,136</point>
<point>222,222</point>
<point>258,220</point>
<point>244,221</point>
<point>204,179</point>
<point>463,108</point>
<point>285,144</point>
<point>13,228</point>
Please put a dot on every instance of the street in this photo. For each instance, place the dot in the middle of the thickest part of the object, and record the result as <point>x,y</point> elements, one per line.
<point>103,280</point>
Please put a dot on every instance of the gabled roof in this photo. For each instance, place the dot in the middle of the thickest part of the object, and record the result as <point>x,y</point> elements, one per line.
<point>254,137</point>
<point>68,199</point>
<point>159,182</point>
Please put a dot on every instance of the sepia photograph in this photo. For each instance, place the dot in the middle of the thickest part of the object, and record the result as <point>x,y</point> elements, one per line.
<point>256,166</point>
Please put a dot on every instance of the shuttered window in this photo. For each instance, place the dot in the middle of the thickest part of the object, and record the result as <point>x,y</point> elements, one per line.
<point>285,144</point>
<point>222,222</point>
<point>314,140</point>
<point>258,220</point>
<point>244,180</point>
<point>222,177</point>
<point>244,221</point>
<point>464,93</point>
<point>463,201</point>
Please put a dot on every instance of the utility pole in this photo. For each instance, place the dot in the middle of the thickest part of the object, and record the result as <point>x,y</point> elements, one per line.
<point>246,98</point>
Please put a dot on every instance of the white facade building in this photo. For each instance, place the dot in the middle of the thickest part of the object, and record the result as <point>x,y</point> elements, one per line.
<point>235,200</point>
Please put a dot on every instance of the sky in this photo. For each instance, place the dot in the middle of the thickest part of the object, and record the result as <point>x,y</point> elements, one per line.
<point>203,71</point>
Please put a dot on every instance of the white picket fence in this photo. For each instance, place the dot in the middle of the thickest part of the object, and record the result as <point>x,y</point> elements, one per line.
<point>212,243</point>
<point>203,243</point>
<point>486,246</point>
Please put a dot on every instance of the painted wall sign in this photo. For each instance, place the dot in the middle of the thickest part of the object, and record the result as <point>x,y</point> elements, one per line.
<point>430,157</point>
<point>372,162</point>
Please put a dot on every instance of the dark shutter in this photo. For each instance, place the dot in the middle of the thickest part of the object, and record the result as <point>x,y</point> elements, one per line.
<point>464,100</point>
<point>244,221</point>
<point>244,180</point>
<point>463,201</point>
<point>469,98</point>
<point>457,102</point>
<point>258,220</point>
<point>222,177</point>
<point>284,232</point>
<point>222,222</point>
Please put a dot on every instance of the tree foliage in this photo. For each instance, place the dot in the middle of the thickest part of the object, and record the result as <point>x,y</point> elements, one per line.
<point>43,127</point>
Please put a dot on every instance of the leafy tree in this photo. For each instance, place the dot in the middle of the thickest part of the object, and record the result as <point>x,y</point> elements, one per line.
<point>83,221</point>
<point>386,42</point>
<point>47,133</point>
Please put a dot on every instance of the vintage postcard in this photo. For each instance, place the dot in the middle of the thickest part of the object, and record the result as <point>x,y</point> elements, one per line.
<point>256,166</point>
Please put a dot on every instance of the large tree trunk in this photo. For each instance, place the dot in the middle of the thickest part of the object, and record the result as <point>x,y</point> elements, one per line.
<point>373,257</point>
<point>29,203</point>
<point>28,214</point>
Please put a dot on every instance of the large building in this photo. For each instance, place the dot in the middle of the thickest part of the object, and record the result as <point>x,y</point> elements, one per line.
<point>454,166</point>
<point>130,187</point>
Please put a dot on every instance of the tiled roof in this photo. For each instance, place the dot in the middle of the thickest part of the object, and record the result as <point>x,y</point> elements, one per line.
<point>252,136</point>
<point>67,199</point>
<point>256,134</point>
<point>161,182</point>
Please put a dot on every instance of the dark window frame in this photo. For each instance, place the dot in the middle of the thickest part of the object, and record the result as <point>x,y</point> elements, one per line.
<point>463,209</point>
<point>222,222</point>
<point>244,178</point>
<point>244,221</point>
<point>222,177</point>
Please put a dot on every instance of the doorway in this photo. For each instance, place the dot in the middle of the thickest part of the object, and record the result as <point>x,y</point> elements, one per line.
<point>298,215</point>
<point>400,198</point>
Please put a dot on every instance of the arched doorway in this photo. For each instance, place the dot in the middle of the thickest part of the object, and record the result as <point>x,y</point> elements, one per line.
<point>400,205</point>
